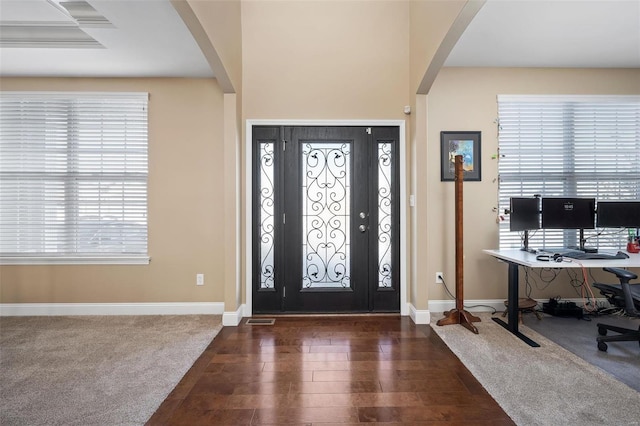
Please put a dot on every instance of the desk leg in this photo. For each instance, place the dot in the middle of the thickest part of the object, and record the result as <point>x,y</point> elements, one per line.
<point>512,309</point>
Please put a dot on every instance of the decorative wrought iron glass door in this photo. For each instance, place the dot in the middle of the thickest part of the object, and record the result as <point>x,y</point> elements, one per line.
<point>325,219</point>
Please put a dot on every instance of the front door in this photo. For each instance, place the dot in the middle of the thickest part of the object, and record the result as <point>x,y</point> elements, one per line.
<point>325,218</point>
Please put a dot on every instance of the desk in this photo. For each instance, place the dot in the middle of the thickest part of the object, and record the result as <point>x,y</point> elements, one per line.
<point>515,258</point>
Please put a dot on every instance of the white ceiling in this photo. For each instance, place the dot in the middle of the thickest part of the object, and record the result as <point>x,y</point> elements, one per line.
<point>552,33</point>
<point>147,38</point>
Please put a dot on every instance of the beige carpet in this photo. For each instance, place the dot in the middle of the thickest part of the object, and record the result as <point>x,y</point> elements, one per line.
<point>95,370</point>
<point>540,386</point>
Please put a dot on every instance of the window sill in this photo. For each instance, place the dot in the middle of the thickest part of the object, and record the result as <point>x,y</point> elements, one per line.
<point>76,260</point>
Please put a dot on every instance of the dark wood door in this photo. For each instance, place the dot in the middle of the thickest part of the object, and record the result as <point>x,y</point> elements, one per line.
<point>325,219</point>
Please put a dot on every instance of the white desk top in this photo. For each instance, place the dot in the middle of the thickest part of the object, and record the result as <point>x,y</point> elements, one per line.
<point>529,259</point>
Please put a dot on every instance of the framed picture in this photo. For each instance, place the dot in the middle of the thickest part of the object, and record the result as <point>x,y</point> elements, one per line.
<point>466,144</point>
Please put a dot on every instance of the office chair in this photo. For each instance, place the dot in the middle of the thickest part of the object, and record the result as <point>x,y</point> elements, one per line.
<point>625,295</point>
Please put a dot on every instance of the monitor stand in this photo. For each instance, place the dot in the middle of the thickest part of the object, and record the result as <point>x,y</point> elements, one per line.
<point>525,243</point>
<point>582,247</point>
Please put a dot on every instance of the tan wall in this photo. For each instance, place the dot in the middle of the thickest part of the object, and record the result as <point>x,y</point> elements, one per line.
<point>222,23</point>
<point>325,59</point>
<point>465,99</point>
<point>186,224</point>
<point>429,24</point>
<point>221,19</point>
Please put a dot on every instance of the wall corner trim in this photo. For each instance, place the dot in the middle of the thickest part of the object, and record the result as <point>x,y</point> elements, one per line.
<point>419,316</point>
<point>233,318</point>
<point>70,309</point>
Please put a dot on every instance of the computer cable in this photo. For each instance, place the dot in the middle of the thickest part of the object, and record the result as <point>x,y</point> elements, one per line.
<point>532,234</point>
<point>553,271</point>
<point>527,284</point>
<point>602,309</point>
<point>529,278</point>
<point>588,298</point>
<point>606,232</point>
<point>606,238</point>
<point>573,280</point>
<point>466,306</point>
<point>446,288</point>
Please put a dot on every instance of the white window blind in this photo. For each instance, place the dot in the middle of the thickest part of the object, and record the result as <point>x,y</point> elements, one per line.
<point>73,174</point>
<point>571,146</point>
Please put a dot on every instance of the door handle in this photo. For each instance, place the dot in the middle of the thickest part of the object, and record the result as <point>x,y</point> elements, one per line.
<point>362,228</point>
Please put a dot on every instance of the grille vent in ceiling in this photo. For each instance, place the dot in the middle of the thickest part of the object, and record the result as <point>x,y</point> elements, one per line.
<point>31,34</point>
<point>56,34</point>
<point>85,15</point>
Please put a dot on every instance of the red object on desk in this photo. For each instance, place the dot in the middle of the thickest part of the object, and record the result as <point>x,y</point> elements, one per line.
<point>633,247</point>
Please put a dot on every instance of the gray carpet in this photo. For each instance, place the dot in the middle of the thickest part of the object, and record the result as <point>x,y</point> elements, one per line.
<point>540,386</point>
<point>622,359</point>
<point>95,370</point>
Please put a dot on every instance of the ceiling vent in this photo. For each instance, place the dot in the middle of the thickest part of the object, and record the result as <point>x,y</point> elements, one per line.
<point>45,35</point>
<point>85,15</point>
<point>55,33</point>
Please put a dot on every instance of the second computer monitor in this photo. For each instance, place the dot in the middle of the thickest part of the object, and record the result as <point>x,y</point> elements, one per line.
<point>568,213</point>
<point>618,214</point>
<point>524,214</point>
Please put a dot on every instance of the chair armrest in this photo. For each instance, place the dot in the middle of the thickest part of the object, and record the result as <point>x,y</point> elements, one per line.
<point>621,273</point>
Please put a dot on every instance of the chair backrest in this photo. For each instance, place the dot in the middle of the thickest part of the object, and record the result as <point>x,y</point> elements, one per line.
<point>625,276</point>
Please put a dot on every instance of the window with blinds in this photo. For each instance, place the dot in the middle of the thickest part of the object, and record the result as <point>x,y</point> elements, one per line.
<point>571,146</point>
<point>73,175</point>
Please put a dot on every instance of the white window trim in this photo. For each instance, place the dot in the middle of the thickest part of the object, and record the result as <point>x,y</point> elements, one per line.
<point>77,259</point>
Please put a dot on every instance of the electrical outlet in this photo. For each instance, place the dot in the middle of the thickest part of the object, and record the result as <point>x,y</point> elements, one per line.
<point>199,279</point>
<point>439,278</point>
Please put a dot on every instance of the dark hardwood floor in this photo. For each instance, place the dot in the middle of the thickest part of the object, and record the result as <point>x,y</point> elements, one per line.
<point>329,370</point>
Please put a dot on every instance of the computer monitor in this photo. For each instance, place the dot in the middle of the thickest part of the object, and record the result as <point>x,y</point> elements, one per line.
<point>524,214</point>
<point>568,213</point>
<point>618,214</point>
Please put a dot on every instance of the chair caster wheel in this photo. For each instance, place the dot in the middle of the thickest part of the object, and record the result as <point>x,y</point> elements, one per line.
<point>602,346</point>
<point>602,331</point>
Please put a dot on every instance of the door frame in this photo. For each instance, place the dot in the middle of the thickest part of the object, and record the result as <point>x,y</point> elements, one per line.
<point>248,308</point>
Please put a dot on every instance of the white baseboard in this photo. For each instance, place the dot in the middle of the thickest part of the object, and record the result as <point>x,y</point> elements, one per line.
<point>405,309</point>
<point>232,318</point>
<point>419,316</point>
<point>488,305</point>
<point>64,309</point>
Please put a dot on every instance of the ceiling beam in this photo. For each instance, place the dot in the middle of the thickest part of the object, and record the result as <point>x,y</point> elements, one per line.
<point>204,42</point>
<point>462,21</point>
